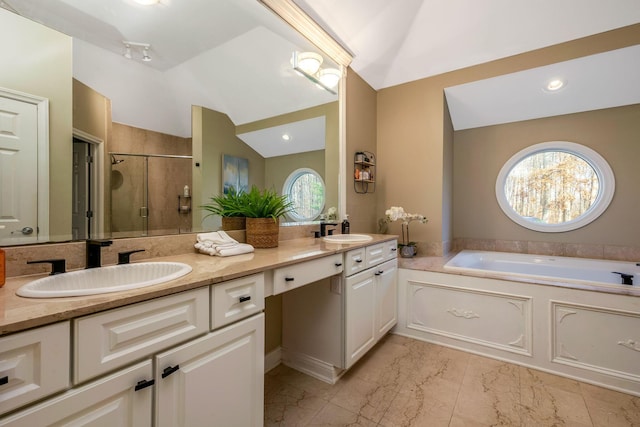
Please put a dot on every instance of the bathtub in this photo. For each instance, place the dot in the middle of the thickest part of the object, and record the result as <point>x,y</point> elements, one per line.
<point>556,268</point>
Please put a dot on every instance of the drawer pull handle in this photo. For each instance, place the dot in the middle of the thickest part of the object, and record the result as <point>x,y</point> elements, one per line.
<point>379,272</point>
<point>394,249</point>
<point>288,279</point>
<point>358,260</point>
<point>144,384</point>
<point>245,298</point>
<point>4,380</point>
<point>169,370</point>
<point>338,264</point>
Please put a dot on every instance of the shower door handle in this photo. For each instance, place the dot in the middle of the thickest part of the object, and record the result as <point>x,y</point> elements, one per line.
<point>144,211</point>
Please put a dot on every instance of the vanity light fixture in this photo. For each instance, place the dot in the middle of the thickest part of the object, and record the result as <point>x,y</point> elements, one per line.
<point>308,64</point>
<point>144,47</point>
<point>555,84</point>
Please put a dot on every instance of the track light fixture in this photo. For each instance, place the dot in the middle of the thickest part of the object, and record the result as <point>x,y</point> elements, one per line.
<point>142,47</point>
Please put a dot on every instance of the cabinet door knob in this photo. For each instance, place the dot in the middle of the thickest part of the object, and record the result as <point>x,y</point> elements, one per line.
<point>169,370</point>
<point>245,298</point>
<point>288,279</point>
<point>358,260</point>
<point>379,272</point>
<point>144,384</point>
<point>338,264</point>
<point>394,249</point>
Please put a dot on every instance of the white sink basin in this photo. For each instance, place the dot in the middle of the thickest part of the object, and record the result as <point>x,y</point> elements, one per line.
<point>347,238</point>
<point>105,279</point>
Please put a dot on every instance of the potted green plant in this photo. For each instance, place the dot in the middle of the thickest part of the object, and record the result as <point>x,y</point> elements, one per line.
<point>263,208</point>
<point>230,207</point>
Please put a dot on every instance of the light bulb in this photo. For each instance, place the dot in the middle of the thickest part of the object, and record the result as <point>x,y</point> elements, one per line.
<point>309,62</point>
<point>329,77</point>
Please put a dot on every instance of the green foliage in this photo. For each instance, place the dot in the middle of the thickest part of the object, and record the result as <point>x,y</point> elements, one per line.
<point>265,204</point>
<point>231,204</point>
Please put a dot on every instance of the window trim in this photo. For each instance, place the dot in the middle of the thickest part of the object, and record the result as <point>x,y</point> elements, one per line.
<point>606,182</point>
<point>286,188</point>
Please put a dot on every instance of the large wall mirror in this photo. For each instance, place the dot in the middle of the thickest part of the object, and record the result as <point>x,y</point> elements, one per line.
<point>155,97</point>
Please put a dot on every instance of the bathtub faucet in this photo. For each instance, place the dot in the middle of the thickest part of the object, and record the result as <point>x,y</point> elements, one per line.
<point>627,279</point>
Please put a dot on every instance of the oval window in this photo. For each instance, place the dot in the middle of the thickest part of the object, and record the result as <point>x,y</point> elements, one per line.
<point>555,186</point>
<point>305,189</point>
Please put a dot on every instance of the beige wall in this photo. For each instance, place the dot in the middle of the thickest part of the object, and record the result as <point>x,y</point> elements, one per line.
<point>214,134</point>
<point>480,154</point>
<point>92,115</point>
<point>412,134</point>
<point>37,60</point>
<point>330,164</point>
<point>277,169</point>
<point>361,136</point>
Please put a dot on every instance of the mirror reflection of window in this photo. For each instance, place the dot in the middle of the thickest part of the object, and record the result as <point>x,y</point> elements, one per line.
<point>556,186</point>
<point>305,189</point>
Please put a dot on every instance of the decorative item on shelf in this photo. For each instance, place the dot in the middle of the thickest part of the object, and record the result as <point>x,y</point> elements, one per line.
<point>364,165</point>
<point>230,207</point>
<point>184,203</point>
<point>408,248</point>
<point>263,210</point>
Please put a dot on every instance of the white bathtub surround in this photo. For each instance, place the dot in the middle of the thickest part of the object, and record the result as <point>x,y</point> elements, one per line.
<point>558,268</point>
<point>581,330</point>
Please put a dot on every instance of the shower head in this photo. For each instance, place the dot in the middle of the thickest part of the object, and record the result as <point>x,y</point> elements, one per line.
<point>114,161</point>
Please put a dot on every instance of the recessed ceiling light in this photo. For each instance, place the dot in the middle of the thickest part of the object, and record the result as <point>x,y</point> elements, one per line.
<point>147,2</point>
<point>286,137</point>
<point>554,85</point>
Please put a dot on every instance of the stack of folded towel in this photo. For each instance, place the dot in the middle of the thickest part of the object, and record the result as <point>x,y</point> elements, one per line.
<point>219,243</point>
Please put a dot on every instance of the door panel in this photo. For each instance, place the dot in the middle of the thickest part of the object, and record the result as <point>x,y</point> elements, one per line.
<point>18,179</point>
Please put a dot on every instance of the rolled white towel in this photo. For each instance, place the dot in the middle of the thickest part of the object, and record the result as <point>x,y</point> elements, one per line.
<point>240,248</point>
<point>206,249</point>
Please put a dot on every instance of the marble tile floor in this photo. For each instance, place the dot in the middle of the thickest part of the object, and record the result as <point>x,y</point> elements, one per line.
<point>405,382</point>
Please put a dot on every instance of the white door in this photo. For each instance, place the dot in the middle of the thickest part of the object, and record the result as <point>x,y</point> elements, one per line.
<point>18,175</point>
<point>360,311</point>
<point>214,381</point>
<point>122,399</point>
<point>386,297</point>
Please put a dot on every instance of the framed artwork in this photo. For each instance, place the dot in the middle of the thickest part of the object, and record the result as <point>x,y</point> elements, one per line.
<point>235,173</point>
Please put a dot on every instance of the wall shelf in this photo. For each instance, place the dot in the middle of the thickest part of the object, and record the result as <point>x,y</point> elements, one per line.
<point>364,172</point>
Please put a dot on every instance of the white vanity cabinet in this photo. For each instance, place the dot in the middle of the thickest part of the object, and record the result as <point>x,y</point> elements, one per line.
<point>216,380</point>
<point>197,357</point>
<point>371,308</point>
<point>115,400</point>
<point>329,324</point>
<point>33,365</point>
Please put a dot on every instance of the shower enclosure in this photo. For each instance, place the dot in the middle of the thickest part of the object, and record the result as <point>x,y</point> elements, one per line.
<point>148,194</point>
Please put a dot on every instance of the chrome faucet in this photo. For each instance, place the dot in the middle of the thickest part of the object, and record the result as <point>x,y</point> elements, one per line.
<point>94,249</point>
<point>323,228</point>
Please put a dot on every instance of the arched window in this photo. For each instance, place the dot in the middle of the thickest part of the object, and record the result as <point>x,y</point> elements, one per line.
<point>555,186</point>
<point>305,189</point>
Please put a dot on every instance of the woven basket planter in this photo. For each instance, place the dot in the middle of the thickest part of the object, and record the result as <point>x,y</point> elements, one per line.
<point>233,223</point>
<point>262,232</point>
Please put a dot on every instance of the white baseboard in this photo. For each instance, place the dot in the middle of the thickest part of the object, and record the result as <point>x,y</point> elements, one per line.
<point>311,366</point>
<point>272,359</point>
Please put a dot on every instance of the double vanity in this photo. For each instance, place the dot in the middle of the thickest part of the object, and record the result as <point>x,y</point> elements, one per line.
<point>191,350</point>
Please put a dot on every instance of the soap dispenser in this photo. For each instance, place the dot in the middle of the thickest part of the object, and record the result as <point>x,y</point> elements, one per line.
<point>345,225</point>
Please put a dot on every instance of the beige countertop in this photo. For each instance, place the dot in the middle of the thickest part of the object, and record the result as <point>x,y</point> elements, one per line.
<point>18,313</point>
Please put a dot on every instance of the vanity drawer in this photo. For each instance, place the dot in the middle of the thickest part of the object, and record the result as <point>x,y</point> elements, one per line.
<point>236,299</point>
<point>355,261</point>
<point>114,338</point>
<point>294,276</point>
<point>34,364</point>
<point>391,249</point>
